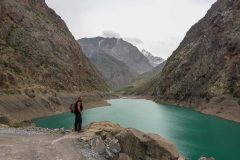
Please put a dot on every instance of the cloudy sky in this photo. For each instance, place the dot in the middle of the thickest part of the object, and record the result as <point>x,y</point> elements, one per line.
<point>155,25</point>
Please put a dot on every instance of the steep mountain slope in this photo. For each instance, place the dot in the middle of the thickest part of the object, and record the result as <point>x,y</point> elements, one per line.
<point>115,72</point>
<point>204,71</point>
<point>155,61</point>
<point>39,56</point>
<point>38,51</point>
<point>119,49</point>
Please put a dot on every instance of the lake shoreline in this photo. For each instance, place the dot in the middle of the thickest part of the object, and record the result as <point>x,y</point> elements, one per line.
<point>91,105</point>
<point>103,102</point>
<point>42,105</point>
<point>202,108</point>
<point>190,130</point>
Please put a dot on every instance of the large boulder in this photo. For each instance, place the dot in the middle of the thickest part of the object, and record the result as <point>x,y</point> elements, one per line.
<point>110,141</point>
<point>138,145</point>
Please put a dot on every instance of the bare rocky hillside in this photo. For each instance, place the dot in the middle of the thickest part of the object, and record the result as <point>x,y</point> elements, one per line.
<point>204,71</point>
<point>39,58</point>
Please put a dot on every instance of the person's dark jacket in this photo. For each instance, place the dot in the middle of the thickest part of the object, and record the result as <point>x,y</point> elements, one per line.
<point>76,109</point>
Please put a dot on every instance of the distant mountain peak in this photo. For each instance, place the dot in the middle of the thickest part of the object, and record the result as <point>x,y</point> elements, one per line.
<point>118,60</point>
<point>154,60</point>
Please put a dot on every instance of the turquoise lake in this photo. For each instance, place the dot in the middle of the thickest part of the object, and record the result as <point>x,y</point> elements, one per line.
<point>193,133</point>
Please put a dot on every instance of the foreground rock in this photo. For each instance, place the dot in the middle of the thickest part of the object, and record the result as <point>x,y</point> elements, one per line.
<point>113,142</point>
<point>98,141</point>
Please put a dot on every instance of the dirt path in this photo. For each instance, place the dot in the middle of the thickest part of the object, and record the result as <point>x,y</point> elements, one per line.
<point>18,144</point>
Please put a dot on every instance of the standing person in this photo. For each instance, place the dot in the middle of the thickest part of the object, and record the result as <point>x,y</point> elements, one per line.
<point>78,114</point>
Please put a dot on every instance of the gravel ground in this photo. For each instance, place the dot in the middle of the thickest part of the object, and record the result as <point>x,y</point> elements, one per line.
<point>34,143</point>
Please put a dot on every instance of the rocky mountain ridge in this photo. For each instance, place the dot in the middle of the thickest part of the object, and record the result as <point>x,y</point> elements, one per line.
<point>119,49</point>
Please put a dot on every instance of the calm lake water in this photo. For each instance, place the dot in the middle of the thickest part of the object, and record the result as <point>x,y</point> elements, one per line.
<point>194,134</point>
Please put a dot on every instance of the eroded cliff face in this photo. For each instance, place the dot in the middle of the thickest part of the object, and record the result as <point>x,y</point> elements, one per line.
<point>39,53</point>
<point>39,60</point>
<point>204,71</point>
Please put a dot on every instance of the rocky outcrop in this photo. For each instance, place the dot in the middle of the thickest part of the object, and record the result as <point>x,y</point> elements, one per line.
<point>204,71</point>
<point>146,146</point>
<point>119,61</point>
<point>110,141</point>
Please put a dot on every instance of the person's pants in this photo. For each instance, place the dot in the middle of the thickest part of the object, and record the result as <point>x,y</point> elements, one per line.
<point>78,122</point>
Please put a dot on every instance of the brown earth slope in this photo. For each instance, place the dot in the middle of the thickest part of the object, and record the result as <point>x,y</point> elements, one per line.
<point>204,71</point>
<point>40,56</point>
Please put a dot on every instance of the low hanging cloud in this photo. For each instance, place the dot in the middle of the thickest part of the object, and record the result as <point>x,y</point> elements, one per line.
<point>110,34</point>
<point>134,40</point>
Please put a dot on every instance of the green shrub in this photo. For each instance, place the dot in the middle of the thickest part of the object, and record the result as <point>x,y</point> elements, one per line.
<point>21,124</point>
<point>234,92</point>
<point>231,90</point>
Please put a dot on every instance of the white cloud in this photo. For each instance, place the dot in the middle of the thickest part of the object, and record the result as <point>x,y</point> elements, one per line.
<point>110,34</point>
<point>151,21</point>
<point>134,41</point>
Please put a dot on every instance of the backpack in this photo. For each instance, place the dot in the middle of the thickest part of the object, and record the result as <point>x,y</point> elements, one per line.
<point>72,108</point>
